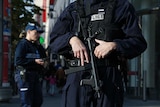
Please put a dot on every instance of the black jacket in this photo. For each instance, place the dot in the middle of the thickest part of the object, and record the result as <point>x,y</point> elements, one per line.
<point>26,53</point>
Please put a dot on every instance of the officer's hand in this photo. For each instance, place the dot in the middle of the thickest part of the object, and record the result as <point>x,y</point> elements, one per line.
<point>39,61</point>
<point>79,49</point>
<point>104,48</point>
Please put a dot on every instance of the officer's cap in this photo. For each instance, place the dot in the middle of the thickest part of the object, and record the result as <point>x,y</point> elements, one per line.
<point>32,26</point>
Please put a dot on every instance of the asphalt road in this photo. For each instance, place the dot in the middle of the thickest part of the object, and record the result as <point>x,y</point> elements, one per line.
<point>55,101</point>
<point>49,101</point>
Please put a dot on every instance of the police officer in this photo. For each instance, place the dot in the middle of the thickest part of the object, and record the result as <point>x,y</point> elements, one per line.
<point>115,32</point>
<point>29,66</point>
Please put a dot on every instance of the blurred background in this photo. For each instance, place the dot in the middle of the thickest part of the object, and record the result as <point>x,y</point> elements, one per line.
<point>143,72</point>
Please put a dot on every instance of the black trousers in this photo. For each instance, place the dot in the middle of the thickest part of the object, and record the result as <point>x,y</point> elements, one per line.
<point>30,89</point>
<point>111,93</point>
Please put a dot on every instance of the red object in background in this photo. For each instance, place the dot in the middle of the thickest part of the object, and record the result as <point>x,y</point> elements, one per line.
<point>5,59</point>
<point>44,12</point>
<point>5,8</point>
<point>5,64</point>
<point>51,2</point>
<point>132,73</point>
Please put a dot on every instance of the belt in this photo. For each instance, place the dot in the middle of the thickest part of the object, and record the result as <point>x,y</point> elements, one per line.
<point>99,62</point>
<point>20,68</point>
<point>75,66</point>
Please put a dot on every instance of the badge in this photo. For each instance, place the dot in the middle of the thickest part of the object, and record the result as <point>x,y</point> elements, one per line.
<point>99,16</point>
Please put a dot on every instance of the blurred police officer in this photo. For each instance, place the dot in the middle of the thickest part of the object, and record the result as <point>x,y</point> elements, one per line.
<point>116,31</point>
<point>29,65</point>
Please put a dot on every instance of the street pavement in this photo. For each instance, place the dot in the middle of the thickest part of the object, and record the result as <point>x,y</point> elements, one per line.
<point>49,101</point>
<point>55,101</point>
<point>129,102</point>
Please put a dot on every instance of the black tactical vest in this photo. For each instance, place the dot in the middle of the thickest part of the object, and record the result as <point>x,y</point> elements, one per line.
<point>99,17</point>
<point>98,20</point>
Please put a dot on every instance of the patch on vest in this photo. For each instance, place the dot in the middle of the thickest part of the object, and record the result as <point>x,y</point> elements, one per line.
<point>99,16</point>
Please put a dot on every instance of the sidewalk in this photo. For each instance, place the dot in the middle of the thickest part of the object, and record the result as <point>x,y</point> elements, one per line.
<point>55,101</point>
<point>49,101</point>
<point>130,102</point>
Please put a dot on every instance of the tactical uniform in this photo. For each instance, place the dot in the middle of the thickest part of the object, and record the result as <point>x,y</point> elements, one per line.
<point>116,21</point>
<point>28,72</point>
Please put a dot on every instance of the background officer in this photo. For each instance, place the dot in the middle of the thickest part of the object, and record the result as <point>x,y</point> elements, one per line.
<point>29,66</point>
<point>114,27</point>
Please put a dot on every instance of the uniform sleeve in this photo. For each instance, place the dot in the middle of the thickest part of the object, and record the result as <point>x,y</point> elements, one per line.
<point>134,43</point>
<point>63,30</point>
<point>20,54</point>
<point>42,51</point>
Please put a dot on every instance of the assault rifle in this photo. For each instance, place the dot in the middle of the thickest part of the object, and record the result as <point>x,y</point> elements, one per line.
<point>94,79</point>
<point>75,66</point>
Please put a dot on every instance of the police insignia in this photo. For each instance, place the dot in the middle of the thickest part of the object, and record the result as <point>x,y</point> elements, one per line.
<point>99,16</point>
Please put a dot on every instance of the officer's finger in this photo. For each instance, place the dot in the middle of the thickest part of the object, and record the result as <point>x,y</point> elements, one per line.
<point>98,41</point>
<point>96,52</point>
<point>76,54</point>
<point>86,57</point>
<point>99,56</point>
<point>82,58</point>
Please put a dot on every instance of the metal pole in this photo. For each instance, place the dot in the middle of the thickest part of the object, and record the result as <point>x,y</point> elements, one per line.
<point>143,80</point>
<point>1,38</point>
<point>144,86</point>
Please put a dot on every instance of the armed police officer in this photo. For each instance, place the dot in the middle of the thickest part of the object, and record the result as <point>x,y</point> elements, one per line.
<point>29,66</point>
<point>96,32</point>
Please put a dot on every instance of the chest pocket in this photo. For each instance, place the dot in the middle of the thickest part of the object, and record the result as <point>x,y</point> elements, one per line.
<point>32,51</point>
